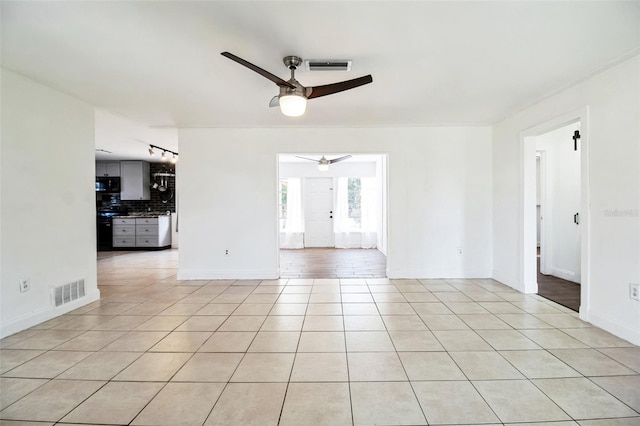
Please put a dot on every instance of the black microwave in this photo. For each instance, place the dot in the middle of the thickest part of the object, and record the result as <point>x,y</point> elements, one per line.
<point>107,184</point>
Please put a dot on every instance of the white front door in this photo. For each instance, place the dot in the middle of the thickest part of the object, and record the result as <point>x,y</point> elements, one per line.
<point>318,212</point>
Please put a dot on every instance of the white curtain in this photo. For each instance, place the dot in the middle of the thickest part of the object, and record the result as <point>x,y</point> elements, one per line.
<point>292,236</point>
<point>341,224</point>
<point>369,212</point>
<point>348,234</point>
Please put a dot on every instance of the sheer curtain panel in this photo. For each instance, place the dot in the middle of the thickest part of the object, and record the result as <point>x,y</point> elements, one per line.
<point>292,232</point>
<point>355,214</point>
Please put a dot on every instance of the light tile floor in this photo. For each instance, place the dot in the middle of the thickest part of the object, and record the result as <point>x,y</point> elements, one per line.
<point>156,351</point>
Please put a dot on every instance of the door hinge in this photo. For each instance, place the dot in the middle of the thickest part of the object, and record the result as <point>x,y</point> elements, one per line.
<point>576,136</point>
<point>576,218</point>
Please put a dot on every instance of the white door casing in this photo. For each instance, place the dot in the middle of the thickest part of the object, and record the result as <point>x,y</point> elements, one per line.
<point>318,212</point>
<point>527,220</point>
<point>561,204</point>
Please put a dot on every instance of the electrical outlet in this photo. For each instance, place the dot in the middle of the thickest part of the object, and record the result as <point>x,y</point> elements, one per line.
<point>634,291</point>
<point>24,285</point>
<point>459,250</point>
<point>226,252</point>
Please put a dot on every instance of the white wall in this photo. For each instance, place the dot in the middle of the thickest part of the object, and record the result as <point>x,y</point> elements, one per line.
<point>439,197</point>
<point>562,201</point>
<point>614,186</point>
<point>48,228</point>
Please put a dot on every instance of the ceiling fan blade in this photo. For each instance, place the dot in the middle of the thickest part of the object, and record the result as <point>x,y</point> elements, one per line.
<point>277,80</point>
<point>274,102</point>
<point>310,159</point>
<point>335,160</point>
<point>330,89</point>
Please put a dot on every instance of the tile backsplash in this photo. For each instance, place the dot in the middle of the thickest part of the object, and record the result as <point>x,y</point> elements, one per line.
<point>155,204</point>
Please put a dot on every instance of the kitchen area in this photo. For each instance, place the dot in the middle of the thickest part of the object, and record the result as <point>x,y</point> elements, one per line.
<point>135,205</point>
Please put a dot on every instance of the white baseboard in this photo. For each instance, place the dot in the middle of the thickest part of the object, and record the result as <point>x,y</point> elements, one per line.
<point>627,332</point>
<point>564,274</point>
<point>227,274</point>
<point>427,273</point>
<point>45,313</point>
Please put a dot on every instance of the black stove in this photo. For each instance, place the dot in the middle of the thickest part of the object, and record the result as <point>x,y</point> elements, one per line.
<point>104,229</point>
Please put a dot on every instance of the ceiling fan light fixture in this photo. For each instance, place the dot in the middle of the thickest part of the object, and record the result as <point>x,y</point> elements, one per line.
<point>293,95</point>
<point>293,105</point>
<point>323,164</point>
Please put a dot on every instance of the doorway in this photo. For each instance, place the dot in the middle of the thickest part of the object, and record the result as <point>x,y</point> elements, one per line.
<point>332,221</point>
<point>558,203</point>
<point>555,261</point>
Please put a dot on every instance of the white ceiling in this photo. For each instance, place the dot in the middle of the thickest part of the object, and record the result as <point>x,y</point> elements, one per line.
<point>432,62</point>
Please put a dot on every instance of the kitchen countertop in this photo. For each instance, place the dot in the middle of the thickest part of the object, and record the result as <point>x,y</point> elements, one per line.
<point>148,214</point>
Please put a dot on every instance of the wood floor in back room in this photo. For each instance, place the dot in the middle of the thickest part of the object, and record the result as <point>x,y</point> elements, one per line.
<point>563,292</point>
<point>332,263</point>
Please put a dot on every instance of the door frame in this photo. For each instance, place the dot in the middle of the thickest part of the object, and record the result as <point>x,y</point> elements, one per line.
<point>385,226</point>
<point>544,253</point>
<point>527,210</point>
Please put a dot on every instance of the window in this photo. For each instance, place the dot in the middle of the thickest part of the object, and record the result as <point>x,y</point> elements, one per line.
<point>284,186</point>
<point>354,202</point>
<point>356,213</point>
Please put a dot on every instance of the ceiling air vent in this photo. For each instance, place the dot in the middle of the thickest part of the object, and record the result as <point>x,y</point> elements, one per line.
<point>328,65</point>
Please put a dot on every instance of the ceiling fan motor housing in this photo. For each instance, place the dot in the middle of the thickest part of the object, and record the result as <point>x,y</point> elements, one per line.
<point>292,61</point>
<point>299,89</point>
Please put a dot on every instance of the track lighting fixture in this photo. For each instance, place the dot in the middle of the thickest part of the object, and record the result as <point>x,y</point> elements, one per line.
<point>163,156</point>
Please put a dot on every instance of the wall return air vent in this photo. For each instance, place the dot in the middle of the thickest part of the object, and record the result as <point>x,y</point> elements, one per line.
<point>67,292</point>
<point>327,65</point>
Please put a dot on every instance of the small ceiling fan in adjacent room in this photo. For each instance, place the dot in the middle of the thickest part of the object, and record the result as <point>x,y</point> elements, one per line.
<point>293,95</point>
<point>323,163</point>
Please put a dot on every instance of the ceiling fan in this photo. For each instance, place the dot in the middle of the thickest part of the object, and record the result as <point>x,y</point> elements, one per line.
<point>293,95</point>
<point>323,163</point>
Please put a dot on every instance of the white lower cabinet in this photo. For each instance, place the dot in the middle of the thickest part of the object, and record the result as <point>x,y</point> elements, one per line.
<point>124,241</point>
<point>152,232</point>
